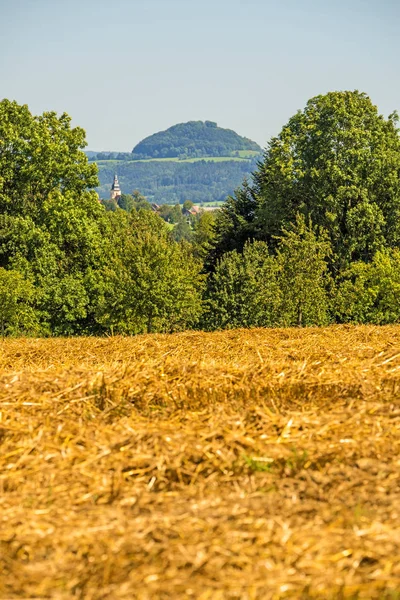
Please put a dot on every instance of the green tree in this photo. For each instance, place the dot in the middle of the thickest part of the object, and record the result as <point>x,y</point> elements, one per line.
<point>140,201</point>
<point>17,315</point>
<point>204,233</point>
<point>109,204</point>
<point>370,293</point>
<point>52,227</point>
<point>134,201</point>
<point>194,138</point>
<point>244,290</point>
<point>338,162</point>
<point>62,253</point>
<point>182,231</point>
<point>236,223</point>
<point>302,260</point>
<point>150,283</point>
<point>187,205</point>
<point>39,155</point>
<point>126,202</point>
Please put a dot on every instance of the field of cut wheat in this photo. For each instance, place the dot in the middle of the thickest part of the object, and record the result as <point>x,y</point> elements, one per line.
<point>259,464</point>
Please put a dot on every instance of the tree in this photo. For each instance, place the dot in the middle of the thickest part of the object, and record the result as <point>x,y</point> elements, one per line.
<point>62,254</point>
<point>338,162</point>
<point>16,312</point>
<point>109,204</point>
<point>174,181</point>
<point>236,223</point>
<point>52,227</point>
<point>126,202</point>
<point>150,283</point>
<point>303,282</point>
<point>187,205</point>
<point>243,291</point>
<point>140,201</point>
<point>370,293</point>
<point>193,139</point>
<point>258,289</point>
<point>39,155</point>
<point>204,233</point>
<point>182,231</point>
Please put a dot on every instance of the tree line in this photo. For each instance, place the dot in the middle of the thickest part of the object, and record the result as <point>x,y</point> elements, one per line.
<point>172,182</point>
<point>313,238</point>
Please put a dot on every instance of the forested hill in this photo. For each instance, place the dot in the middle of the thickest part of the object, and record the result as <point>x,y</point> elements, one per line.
<point>195,139</point>
<point>196,161</point>
<point>174,181</point>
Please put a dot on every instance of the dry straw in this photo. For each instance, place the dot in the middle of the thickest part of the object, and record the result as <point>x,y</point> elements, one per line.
<point>257,464</point>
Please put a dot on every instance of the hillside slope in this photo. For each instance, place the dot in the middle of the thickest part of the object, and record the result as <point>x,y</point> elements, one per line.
<point>172,182</point>
<point>194,139</point>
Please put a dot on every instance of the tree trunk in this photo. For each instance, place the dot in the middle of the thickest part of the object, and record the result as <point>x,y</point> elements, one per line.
<point>150,323</point>
<point>299,316</point>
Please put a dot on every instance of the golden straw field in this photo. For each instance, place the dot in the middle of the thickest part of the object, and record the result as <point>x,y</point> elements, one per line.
<point>251,464</point>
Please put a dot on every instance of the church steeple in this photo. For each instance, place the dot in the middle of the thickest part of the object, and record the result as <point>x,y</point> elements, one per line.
<point>115,189</point>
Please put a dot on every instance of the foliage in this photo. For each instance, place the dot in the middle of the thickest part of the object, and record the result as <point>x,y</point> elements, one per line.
<point>108,155</point>
<point>39,155</point>
<point>193,139</point>
<point>187,205</point>
<point>301,258</point>
<point>257,289</point>
<point>370,293</point>
<point>17,315</point>
<point>338,162</point>
<point>168,182</point>
<point>61,253</point>
<point>244,290</point>
<point>313,237</point>
<point>235,224</point>
<point>182,231</point>
<point>170,214</point>
<point>150,283</point>
<point>134,201</point>
<point>204,232</point>
<point>52,228</point>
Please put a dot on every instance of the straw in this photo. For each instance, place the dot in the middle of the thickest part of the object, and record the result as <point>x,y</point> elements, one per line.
<point>251,464</point>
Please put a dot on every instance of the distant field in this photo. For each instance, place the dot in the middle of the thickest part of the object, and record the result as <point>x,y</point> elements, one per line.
<point>244,155</point>
<point>261,464</point>
<point>248,153</point>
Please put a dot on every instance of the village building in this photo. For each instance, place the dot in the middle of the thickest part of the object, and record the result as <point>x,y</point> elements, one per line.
<point>193,210</point>
<point>115,192</point>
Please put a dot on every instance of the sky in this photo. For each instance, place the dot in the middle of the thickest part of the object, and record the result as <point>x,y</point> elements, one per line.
<point>124,69</point>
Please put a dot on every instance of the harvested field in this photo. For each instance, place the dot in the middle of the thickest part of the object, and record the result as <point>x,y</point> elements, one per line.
<point>259,464</point>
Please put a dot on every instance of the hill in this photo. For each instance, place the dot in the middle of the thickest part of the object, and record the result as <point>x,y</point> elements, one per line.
<point>169,181</point>
<point>195,139</point>
<point>197,160</point>
<point>253,464</point>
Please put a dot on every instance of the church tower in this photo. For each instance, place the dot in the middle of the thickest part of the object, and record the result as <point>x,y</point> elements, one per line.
<point>115,189</point>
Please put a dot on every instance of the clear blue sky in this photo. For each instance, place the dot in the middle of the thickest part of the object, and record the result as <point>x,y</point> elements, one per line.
<point>124,69</point>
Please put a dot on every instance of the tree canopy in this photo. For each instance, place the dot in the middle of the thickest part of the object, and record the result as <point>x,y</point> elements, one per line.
<point>172,182</point>
<point>255,288</point>
<point>338,162</point>
<point>39,155</point>
<point>313,237</point>
<point>60,250</point>
<point>193,139</point>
